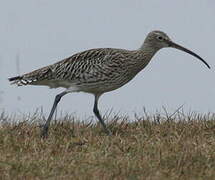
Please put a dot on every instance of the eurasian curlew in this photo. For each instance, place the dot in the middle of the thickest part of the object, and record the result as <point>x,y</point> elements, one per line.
<point>97,71</point>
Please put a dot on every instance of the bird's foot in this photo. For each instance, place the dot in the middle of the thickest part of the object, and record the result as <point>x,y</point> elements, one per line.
<point>44,132</point>
<point>108,132</point>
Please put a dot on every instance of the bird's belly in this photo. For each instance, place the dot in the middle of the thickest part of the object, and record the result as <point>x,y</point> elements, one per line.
<point>99,87</point>
<point>90,85</point>
<point>53,83</point>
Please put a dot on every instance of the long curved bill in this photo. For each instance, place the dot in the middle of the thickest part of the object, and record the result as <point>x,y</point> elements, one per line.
<point>174,45</point>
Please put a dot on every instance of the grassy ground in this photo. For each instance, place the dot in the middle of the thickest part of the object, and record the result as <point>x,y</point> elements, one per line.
<point>153,147</point>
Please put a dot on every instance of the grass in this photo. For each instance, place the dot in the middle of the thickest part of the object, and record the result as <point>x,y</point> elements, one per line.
<point>152,147</point>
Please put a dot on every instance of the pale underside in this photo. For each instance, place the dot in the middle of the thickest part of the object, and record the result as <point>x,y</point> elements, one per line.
<point>72,87</point>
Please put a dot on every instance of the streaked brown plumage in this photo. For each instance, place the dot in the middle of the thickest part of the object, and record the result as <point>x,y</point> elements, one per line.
<point>97,71</point>
<point>90,71</point>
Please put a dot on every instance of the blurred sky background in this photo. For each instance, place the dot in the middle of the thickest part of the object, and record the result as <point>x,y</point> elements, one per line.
<point>42,32</point>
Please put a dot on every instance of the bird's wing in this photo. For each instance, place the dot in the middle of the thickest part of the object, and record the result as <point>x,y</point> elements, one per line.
<point>80,65</point>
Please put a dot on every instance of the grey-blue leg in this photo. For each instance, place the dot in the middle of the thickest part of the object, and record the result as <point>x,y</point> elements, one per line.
<point>45,129</point>
<point>96,112</point>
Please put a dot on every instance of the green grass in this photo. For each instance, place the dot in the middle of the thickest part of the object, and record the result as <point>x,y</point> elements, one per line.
<point>152,147</point>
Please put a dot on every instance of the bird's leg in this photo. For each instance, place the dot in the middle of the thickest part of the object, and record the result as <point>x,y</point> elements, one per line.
<point>96,112</point>
<point>44,132</point>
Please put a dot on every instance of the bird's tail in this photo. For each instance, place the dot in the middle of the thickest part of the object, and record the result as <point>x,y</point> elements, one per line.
<point>32,78</point>
<point>15,78</point>
<point>18,80</point>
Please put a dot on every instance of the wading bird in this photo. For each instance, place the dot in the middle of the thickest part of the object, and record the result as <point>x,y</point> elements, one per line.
<point>97,71</point>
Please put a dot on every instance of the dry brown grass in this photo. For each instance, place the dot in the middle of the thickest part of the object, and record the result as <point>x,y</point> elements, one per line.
<point>153,147</point>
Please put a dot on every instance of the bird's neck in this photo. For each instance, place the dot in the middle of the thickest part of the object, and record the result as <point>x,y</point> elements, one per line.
<point>149,48</point>
<point>143,56</point>
<point>147,52</point>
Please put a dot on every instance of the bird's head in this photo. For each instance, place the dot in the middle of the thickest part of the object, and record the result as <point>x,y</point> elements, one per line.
<point>158,39</point>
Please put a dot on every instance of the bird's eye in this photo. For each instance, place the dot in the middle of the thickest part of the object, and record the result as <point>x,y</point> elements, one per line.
<point>160,38</point>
